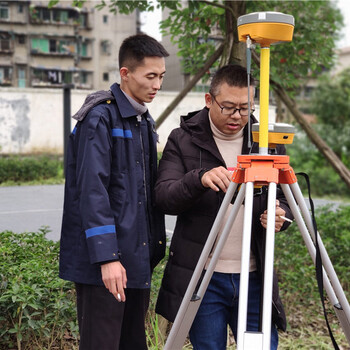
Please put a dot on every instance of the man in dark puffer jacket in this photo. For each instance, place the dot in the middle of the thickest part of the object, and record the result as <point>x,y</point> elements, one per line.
<point>192,179</point>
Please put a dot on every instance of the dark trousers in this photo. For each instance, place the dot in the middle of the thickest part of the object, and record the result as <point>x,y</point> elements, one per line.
<point>106,324</point>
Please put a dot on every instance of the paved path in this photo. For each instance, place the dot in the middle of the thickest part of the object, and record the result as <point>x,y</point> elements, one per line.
<point>27,208</point>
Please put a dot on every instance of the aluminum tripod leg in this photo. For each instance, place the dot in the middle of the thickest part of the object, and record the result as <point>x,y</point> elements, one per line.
<point>256,340</point>
<point>244,277</point>
<point>191,302</point>
<point>331,282</point>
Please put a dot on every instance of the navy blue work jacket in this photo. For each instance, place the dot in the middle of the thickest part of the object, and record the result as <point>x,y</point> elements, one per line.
<point>108,208</point>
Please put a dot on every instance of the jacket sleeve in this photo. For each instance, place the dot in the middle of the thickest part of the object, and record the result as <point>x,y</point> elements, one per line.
<point>176,188</point>
<point>93,171</point>
<point>281,150</point>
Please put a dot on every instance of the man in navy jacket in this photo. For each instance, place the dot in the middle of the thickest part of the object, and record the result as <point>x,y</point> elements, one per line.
<point>112,236</point>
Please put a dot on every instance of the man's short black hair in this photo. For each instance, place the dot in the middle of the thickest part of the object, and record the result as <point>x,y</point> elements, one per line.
<point>136,47</point>
<point>232,75</point>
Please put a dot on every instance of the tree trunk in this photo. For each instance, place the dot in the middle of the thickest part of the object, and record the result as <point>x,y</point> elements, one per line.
<point>234,51</point>
<point>279,115</point>
<point>188,87</point>
<point>231,51</point>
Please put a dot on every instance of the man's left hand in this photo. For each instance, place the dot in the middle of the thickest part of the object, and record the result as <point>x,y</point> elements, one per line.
<point>278,220</point>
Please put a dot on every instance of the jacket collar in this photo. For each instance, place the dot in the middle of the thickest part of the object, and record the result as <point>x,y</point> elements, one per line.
<point>125,108</point>
<point>197,124</point>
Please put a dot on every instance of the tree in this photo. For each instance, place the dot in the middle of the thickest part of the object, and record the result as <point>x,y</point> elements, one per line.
<point>317,24</point>
<point>331,104</point>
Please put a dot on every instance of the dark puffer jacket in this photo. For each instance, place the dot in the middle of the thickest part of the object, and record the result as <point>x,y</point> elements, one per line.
<point>190,149</point>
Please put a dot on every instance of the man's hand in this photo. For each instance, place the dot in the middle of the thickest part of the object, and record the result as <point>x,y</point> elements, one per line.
<point>114,279</point>
<point>278,220</point>
<point>217,179</point>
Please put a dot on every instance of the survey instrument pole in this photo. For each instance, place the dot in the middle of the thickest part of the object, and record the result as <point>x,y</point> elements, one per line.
<point>262,28</point>
<point>264,99</point>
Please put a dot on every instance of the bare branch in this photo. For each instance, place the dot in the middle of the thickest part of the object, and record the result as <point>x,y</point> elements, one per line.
<point>190,85</point>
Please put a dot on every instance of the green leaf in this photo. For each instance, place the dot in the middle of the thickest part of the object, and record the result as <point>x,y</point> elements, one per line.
<point>53,3</point>
<point>12,330</point>
<point>32,323</point>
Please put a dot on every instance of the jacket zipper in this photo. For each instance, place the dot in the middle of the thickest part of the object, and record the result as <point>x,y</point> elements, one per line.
<point>143,160</point>
<point>279,312</point>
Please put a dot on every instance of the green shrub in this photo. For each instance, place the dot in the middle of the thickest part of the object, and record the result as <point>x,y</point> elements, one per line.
<point>37,309</point>
<point>296,270</point>
<point>298,285</point>
<point>31,168</point>
<point>305,157</point>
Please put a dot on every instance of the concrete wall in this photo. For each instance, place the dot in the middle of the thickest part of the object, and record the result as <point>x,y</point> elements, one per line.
<point>31,120</point>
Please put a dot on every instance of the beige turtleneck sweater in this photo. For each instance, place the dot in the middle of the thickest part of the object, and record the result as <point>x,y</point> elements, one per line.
<point>230,146</point>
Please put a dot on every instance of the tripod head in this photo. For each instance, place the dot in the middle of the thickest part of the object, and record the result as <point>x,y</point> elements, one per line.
<point>266,28</point>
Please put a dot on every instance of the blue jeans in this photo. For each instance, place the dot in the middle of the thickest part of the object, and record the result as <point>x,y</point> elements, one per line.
<point>219,308</point>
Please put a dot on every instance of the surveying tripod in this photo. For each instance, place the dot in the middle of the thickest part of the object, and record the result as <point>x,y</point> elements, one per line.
<point>252,171</point>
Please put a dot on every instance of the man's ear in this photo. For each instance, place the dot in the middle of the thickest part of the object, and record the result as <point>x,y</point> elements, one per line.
<point>124,73</point>
<point>208,100</point>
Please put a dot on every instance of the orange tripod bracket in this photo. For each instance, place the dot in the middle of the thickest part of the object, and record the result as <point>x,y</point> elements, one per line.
<point>263,169</point>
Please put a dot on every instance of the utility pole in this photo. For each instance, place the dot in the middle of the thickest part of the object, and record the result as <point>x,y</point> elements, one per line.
<point>66,120</point>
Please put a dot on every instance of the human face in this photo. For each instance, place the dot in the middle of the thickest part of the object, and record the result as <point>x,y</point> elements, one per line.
<point>143,83</point>
<point>229,97</point>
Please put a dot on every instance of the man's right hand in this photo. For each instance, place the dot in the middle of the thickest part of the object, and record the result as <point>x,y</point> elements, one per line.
<point>217,179</point>
<point>114,279</point>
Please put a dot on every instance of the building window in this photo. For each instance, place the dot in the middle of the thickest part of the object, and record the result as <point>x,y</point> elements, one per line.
<point>83,50</point>
<point>5,43</point>
<point>53,46</point>
<point>56,78</point>
<point>20,8</point>
<point>45,15</point>
<point>4,10</point>
<point>60,16</point>
<point>105,19</point>
<point>47,77</point>
<point>105,77</point>
<point>83,78</point>
<point>21,39</point>
<point>83,20</point>
<point>308,91</point>
<point>21,75</point>
<point>105,47</point>
<point>40,46</point>
<point>5,76</point>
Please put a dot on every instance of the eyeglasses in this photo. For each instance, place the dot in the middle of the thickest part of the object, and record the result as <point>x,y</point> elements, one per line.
<point>232,110</point>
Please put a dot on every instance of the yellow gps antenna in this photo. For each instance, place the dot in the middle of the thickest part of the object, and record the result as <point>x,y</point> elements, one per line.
<point>265,28</point>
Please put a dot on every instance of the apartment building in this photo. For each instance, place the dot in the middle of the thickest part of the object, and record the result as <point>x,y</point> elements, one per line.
<point>51,47</point>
